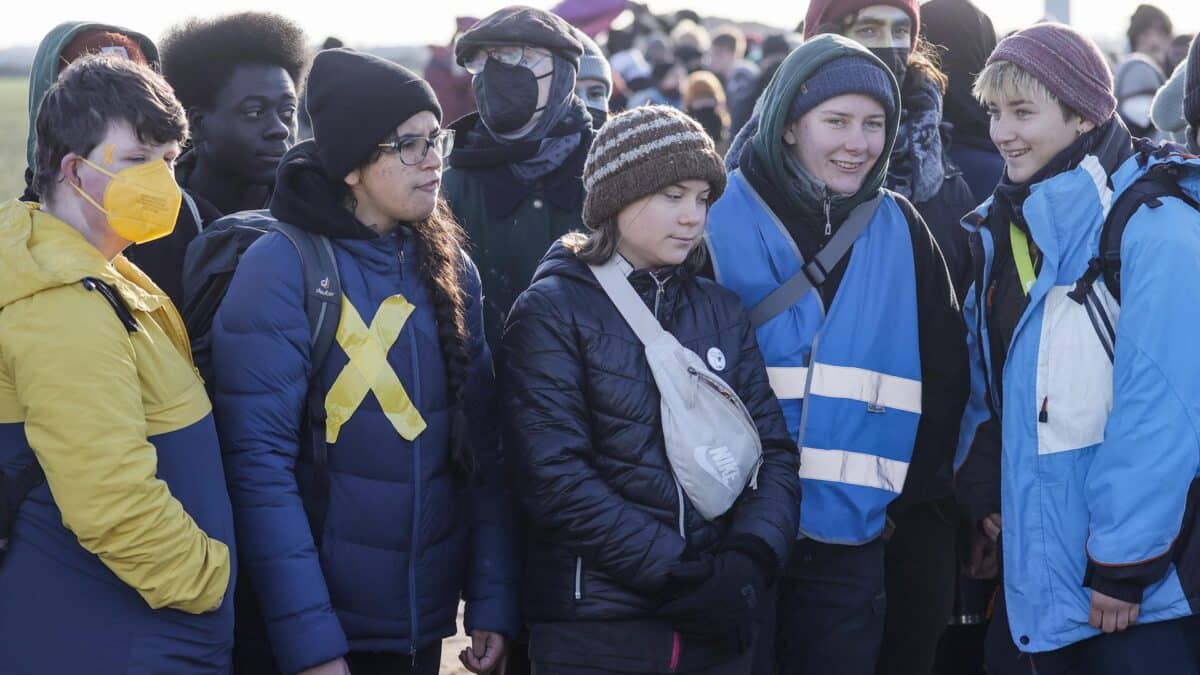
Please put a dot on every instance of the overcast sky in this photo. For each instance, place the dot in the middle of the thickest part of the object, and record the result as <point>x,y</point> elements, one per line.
<point>431,21</point>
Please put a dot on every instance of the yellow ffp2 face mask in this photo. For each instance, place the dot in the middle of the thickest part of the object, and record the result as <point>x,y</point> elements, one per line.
<point>142,202</point>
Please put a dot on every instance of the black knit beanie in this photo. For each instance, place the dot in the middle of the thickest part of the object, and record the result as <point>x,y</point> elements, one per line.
<point>356,100</point>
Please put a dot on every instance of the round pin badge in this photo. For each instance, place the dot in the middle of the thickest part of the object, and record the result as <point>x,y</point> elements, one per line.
<point>716,359</point>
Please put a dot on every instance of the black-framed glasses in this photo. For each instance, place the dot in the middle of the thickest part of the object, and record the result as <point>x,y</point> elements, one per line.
<point>414,149</point>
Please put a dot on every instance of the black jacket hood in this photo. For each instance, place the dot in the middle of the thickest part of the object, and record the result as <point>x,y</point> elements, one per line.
<point>306,197</point>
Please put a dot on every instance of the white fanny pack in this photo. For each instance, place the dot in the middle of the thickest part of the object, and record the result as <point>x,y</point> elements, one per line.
<point>712,443</point>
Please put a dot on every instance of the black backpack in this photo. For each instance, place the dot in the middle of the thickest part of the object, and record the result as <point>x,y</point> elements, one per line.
<point>208,269</point>
<point>15,487</point>
<point>1161,181</point>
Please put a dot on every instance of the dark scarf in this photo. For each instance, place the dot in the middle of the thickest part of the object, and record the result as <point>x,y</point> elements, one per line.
<point>1110,143</point>
<point>917,170</point>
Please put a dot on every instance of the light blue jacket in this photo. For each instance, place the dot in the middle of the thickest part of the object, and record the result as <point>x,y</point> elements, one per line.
<point>1098,455</point>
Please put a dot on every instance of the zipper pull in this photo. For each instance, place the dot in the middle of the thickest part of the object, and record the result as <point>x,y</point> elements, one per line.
<point>828,223</point>
<point>694,390</point>
<point>754,476</point>
<point>1044,416</point>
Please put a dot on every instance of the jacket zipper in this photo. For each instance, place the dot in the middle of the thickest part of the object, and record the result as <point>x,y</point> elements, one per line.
<point>416,518</point>
<point>828,221</point>
<point>578,578</point>
<point>676,638</point>
<point>658,295</point>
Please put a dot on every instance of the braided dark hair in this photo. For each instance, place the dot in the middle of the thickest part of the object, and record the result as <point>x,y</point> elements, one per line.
<point>439,245</point>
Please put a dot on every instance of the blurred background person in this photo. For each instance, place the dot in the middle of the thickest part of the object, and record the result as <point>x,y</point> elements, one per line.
<point>704,101</point>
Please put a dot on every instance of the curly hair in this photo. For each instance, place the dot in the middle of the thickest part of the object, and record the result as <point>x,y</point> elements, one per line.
<point>200,55</point>
<point>440,242</point>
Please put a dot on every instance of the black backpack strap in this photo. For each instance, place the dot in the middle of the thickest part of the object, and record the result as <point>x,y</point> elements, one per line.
<point>1162,180</point>
<point>815,271</point>
<point>114,299</point>
<point>323,304</point>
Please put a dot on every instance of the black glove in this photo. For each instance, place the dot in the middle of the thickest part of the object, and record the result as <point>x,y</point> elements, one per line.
<point>723,606</point>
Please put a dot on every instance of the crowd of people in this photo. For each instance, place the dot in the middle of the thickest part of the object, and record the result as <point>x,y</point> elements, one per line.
<point>860,349</point>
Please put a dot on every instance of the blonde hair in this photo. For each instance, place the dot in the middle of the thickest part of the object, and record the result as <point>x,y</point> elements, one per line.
<point>1006,81</point>
<point>701,85</point>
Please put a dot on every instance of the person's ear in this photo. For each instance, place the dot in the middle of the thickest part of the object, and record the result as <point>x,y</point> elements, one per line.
<point>789,135</point>
<point>68,170</point>
<point>353,179</point>
<point>196,125</point>
<point>1084,126</point>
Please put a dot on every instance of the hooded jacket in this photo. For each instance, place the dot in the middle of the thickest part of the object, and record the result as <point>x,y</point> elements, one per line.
<point>583,430</point>
<point>762,199</point>
<point>122,560</point>
<point>47,65</point>
<point>403,538</point>
<point>966,37</point>
<point>162,259</point>
<point>1098,453</point>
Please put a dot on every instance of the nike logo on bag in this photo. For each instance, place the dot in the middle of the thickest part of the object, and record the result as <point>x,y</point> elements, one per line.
<point>718,463</point>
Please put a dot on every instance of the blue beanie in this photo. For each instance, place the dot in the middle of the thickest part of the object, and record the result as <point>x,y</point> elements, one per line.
<point>847,75</point>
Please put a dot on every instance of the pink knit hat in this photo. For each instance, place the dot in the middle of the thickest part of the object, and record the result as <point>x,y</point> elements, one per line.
<point>1067,63</point>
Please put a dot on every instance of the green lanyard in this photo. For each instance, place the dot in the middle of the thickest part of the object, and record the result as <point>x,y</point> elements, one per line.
<point>1021,255</point>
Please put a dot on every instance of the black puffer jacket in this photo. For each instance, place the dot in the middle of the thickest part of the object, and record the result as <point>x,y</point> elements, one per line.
<point>584,435</point>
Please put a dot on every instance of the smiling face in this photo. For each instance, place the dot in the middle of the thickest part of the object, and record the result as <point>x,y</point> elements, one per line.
<point>389,192</point>
<point>1029,130</point>
<point>839,141</point>
<point>661,229</point>
<point>881,26</point>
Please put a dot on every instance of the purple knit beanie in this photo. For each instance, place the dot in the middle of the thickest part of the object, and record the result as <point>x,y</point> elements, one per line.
<point>1067,63</point>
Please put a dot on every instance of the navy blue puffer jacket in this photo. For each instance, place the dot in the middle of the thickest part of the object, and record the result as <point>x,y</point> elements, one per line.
<point>403,538</point>
<point>583,429</point>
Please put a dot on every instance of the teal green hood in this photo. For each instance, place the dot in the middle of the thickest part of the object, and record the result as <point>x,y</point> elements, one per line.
<point>763,135</point>
<point>46,64</point>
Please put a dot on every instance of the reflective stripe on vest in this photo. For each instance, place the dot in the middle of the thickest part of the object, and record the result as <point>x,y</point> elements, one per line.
<point>848,376</point>
<point>853,468</point>
<point>878,390</point>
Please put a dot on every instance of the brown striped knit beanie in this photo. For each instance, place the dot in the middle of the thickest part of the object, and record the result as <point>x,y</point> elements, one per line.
<point>642,151</point>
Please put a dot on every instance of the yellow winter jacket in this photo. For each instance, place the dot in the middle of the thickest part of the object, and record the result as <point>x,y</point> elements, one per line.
<point>119,420</point>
